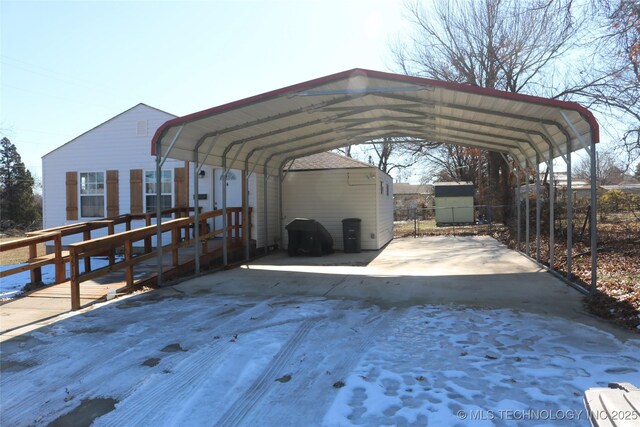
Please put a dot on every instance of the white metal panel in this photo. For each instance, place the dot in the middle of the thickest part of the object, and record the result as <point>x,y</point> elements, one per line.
<point>299,120</point>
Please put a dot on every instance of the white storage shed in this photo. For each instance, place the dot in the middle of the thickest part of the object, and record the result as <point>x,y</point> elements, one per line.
<point>329,187</point>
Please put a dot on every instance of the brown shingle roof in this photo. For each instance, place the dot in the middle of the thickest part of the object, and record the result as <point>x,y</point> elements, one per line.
<point>327,160</point>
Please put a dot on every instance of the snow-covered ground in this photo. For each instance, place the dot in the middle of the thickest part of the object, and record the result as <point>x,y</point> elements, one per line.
<point>12,286</point>
<point>170,358</point>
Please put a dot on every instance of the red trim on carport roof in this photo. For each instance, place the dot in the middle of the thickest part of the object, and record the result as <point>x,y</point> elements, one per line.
<point>383,75</point>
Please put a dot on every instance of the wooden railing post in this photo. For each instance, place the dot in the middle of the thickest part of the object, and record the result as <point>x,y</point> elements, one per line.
<point>112,252</point>
<point>175,235</point>
<point>229,224</point>
<point>128,223</point>
<point>147,241</point>
<point>36,273</point>
<point>205,241</point>
<point>61,274</point>
<point>128,256</point>
<point>86,235</point>
<point>236,225</point>
<point>75,278</point>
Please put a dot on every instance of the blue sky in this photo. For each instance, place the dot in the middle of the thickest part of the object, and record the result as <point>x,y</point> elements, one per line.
<point>68,66</point>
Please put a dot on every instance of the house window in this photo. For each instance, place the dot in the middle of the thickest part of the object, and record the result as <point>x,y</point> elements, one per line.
<point>92,194</point>
<point>387,189</point>
<point>166,197</point>
<point>381,187</point>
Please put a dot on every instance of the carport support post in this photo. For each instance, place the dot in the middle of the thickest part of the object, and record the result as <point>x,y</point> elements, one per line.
<point>569,200</point>
<point>594,238</point>
<point>526,204</point>
<point>266,213</point>
<point>280,181</point>
<point>538,207</point>
<point>158,212</point>
<point>551,213</point>
<point>196,213</point>
<point>246,231</point>
<point>517,199</point>
<point>225,237</point>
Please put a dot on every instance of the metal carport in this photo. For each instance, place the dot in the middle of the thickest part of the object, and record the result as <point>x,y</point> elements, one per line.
<point>264,132</point>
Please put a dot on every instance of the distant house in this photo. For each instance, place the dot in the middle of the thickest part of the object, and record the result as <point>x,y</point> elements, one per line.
<point>109,171</point>
<point>412,196</point>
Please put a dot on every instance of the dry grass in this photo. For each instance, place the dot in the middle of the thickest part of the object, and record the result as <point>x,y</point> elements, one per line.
<point>17,256</point>
<point>618,282</point>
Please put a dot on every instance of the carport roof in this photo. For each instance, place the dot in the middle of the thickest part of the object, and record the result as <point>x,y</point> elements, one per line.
<point>359,106</point>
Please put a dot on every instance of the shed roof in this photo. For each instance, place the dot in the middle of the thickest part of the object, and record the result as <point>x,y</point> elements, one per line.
<point>359,106</point>
<point>327,160</point>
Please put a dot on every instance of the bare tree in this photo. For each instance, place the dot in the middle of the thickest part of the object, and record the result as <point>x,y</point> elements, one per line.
<point>608,169</point>
<point>510,45</point>
<point>607,78</point>
<point>456,163</point>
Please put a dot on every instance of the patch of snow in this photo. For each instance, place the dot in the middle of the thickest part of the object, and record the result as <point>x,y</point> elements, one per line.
<point>180,359</point>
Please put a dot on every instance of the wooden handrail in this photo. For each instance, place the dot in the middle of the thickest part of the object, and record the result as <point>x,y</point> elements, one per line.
<point>82,251</point>
<point>27,241</point>
<point>126,239</point>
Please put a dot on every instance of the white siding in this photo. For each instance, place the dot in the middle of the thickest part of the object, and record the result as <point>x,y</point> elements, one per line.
<point>385,210</point>
<point>113,145</point>
<point>329,196</point>
<point>256,187</point>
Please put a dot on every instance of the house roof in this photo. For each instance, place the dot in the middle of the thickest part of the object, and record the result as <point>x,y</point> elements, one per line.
<point>453,189</point>
<point>327,160</point>
<point>400,188</point>
<point>359,106</point>
<point>107,121</point>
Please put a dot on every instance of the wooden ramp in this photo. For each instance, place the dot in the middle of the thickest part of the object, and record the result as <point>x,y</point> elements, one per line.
<point>42,306</point>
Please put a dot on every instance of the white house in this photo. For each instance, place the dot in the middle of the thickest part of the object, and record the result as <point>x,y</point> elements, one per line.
<point>109,171</point>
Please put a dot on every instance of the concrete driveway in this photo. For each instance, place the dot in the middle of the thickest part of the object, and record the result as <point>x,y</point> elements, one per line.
<point>295,342</point>
<point>470,271</point>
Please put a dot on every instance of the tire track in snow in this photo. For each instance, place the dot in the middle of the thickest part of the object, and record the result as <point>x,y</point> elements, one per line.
<point>21,409</point>
<point>313,388</point>
<point>244,403</point>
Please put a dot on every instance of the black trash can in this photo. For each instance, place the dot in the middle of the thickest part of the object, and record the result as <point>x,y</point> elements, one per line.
<point>351,234</point>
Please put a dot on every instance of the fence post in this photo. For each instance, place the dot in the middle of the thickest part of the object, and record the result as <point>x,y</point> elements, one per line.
<point>75,278</point>
<point>453,220</point>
